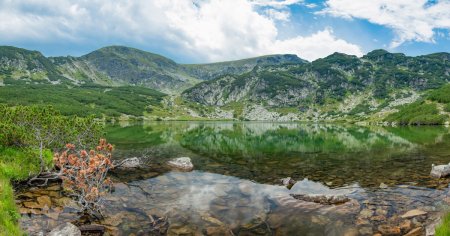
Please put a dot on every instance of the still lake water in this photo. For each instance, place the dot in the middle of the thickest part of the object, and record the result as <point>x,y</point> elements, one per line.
<point>235,187</point>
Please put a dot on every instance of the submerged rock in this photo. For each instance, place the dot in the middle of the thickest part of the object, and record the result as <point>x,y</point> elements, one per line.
<point>181,163</point>
<point>322,199</point>
<point>416,232</point>
<point>389,230</point>
<point>413,213</point>
<point>440,171</point>
<point>66,229</point>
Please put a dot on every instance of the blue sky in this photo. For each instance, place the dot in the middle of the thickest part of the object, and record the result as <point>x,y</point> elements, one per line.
<point>195,31</point>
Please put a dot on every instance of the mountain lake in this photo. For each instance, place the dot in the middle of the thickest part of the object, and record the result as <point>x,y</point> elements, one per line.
<point>235,187</point>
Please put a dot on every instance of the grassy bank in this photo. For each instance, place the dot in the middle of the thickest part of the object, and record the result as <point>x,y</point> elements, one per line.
<point>15,165</point>
<point>444,228</point>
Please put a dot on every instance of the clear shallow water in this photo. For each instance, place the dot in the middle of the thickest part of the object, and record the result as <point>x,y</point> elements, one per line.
<point>236,183</point>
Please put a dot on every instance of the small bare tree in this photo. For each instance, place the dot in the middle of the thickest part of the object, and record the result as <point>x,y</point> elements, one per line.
<point>84,173</point>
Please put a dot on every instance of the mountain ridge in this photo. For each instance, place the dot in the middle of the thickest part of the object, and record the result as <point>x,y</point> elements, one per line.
<point>120,65</point>
<point>271,87</point>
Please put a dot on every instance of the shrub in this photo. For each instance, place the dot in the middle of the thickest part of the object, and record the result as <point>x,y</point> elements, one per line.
<point>441,95</point>
<point>417,113</point>
<point>84,173</point>
<point>42,127</point>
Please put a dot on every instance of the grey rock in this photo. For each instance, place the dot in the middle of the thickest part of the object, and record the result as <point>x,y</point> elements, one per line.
<point>440,171</point>
<point>133,162</point>
<point>181,163</point>
<point>288,182</point>
<point>66,229</point>
<point>430,229</point>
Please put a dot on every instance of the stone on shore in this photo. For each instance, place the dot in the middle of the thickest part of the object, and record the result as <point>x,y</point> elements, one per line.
<point>133,162</point>
<point>440,171</point>
<point>181,163</point>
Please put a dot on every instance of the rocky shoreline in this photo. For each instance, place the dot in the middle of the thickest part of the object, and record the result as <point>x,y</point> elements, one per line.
<point>46,209</point>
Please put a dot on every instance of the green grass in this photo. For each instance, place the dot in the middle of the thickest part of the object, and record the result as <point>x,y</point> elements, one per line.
<point>18,164</point>
<point>8,210</point>
<point>444,228</point>
<point>15,165</point>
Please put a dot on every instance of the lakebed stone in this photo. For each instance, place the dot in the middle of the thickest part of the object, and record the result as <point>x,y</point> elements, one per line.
<point>413,213</point>
<point>322,199</point>
<point>389,230</point>
<point>416,232</point>
<point>66,229</point>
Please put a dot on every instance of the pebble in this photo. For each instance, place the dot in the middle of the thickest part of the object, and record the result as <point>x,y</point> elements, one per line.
<point>413,213</point>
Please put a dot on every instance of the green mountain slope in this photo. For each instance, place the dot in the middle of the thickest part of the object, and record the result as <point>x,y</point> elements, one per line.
<point>118,65</point>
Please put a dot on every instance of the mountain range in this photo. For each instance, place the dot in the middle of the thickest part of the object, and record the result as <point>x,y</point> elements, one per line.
<point>272,87</point>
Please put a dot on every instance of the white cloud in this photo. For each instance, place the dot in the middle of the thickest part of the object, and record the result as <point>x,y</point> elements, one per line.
<point>319,44</point>
<point>278,15</point>
<point>206,30</point>
<point>411,20</point>
<point>275,3</point>
<point>311,5</point>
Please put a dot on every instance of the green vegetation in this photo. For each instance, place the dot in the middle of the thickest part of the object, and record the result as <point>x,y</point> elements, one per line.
<point>85,100</point>
<point>444,228</point>
<point>17,164</point>
<point>417,113</point>
<point>29,132</point>
<point>8,210</point>
<point>425,112</point>
<point>328,81</point>
<point>441,95</point>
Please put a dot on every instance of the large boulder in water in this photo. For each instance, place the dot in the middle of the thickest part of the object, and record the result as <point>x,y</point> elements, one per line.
<point>66,229</point>
<point>181,163</point>
<point>440,171</point>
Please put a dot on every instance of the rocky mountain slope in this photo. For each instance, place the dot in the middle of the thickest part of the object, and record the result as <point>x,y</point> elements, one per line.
<point>335,86</point>
<point>17,63</point>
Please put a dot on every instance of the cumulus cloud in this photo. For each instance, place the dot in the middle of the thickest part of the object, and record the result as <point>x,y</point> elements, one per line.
<point>203,30</point>
<point>411,20</point>
<point>319,44</point>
